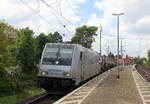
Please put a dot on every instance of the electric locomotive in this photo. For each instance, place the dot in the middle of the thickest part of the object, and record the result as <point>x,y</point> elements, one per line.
<point>64,66</point>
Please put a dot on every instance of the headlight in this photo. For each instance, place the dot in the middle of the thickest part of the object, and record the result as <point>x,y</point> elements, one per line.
<point>43,73</point>
<point>66,74</point>
<point>56,62</point>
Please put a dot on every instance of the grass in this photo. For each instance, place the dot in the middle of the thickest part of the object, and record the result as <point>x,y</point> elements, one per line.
<point>12,99</point>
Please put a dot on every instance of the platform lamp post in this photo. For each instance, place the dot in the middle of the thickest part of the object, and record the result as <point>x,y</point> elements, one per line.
<point>118,14</point>
<point>100,37</point>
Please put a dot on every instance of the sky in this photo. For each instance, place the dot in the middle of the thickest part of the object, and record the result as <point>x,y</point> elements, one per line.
<point>65,15</point>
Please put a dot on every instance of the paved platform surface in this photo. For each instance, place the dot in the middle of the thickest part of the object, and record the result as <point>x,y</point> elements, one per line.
<point>115,91</point>
<point>79,94</point>
<point>143,87</point>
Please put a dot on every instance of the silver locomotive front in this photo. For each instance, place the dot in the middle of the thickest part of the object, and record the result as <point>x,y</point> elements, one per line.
<point>55,72</point>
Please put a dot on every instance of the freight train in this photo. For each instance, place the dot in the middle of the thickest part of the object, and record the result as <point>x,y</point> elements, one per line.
<point>64,66</point>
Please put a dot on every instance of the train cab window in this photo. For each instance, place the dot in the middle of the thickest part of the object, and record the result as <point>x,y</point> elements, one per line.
<point>81,55</point>
<point>61,55</point>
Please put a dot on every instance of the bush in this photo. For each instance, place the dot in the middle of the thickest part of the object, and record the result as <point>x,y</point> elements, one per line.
<point>3,72</point>
<point>14,82</point>
<point>5,81</point>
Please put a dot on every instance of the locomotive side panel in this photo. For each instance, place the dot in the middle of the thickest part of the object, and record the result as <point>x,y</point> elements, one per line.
<point>76,65</point>
<point>90,64</point>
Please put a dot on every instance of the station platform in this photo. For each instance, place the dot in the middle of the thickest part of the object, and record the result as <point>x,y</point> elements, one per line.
<point>107,89</point>
<point>116,91</point>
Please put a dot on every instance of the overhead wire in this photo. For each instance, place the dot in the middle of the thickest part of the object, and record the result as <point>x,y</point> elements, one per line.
<point>54,3</point>
<point>38,5</point>
<point>58,19</point>
<point>52,26</point>
<point>38,11</point>
<point>56,15</point>
<point>41,17</point>
<point>59,6</point>
<point>70,6</point>
<point>57,12</point>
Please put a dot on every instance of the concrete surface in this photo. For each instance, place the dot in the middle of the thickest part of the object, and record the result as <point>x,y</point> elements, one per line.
<point>115,91</point>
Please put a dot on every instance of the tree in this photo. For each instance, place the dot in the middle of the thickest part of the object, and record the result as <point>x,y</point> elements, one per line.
<point>25,50</point>
<point>85,36</point>
<point>55,37</point>
<point>138,60</point>
<point>148,55</point>
<point>111,55</point>
<point>127,56</point>
<point>41,40</point>
<point>7,36</point>
<point>116,56</point>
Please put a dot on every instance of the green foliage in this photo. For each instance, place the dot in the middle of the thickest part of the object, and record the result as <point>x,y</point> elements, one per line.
<point>25,50</point>
<point>127,56</point>
<point>111,55</point>
<point>7,39</point>
<point>85,35</point>
<point>17,59</point>
<point>148,55</point>
<point>12,50</point>
<point>7,35</point>
<point>12,99</point>
<point>3,72</point>
<point>7,84</point>
<point>138,60</point>
<point>41,40</point>
<point>55,37</point>
<point>14,81</point>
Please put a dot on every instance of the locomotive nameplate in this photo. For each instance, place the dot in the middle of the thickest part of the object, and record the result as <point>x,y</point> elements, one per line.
<point>55,72</point>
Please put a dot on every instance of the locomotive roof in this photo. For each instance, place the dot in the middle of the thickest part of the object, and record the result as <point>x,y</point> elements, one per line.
<point>69,44</point>
<point>62,44</point>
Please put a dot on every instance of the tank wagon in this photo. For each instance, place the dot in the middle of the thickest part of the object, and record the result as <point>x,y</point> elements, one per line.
<point>64,66</point>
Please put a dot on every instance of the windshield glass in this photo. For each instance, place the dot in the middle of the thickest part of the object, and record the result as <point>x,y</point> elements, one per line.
<point>58,56</point>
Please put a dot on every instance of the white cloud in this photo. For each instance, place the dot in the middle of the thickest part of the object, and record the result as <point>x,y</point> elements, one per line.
<point>80,1</point>
<point>8,10</point>
<point>17,14</point>
<point>133,25</point>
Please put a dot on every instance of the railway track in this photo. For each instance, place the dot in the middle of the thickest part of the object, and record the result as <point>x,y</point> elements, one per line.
<point>44,98</point>
<point>144,72</point>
